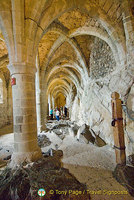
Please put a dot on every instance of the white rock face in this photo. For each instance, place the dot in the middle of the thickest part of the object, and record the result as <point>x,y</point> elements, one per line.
<point>75,110</point>
<point>130,100</point>
<point>94,108</point>
<point>71,132</point>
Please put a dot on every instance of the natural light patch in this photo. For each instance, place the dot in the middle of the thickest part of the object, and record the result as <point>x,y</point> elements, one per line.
<point>1,91</point>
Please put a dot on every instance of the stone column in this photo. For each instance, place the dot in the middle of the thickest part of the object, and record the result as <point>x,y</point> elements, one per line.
<point>44,102</point>
<point>38,111</point>
<point>50,104</point>
<point>46,108</point>
<point>24,114</point>
<point>38,100</point>
<point>53,106</point>
<point>43,126</point>
<point>117,124</point>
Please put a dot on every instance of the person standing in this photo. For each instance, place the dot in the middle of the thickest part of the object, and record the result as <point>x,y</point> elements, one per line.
<point>61,112</point>
<point>65,110</point>
<point>51,113</point>
<point>57,114</point>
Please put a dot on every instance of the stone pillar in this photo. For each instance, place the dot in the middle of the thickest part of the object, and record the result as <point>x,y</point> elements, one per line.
<point>49,105</point>
<point>38,99</point>
<point>44,107</point>
<point>24,114</point>
<point>38,111</point>
<point>117,124</point>
<point>43,126</point>
<point>53,106</point>
<point>45,104</point>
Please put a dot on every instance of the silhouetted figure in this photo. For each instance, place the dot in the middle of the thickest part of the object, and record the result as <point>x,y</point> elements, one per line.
<point>51,113</point>
<point>65,110</point>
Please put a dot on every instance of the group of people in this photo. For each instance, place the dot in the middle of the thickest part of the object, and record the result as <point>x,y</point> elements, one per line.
<point>58,113</point>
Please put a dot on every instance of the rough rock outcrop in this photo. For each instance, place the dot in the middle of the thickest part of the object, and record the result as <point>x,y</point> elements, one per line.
<point>99,141</point>
<point>90,136</point>
<point>125,175</point>
<point>131,159</point>
<point>84,130</point>
<point>43,141</point>
<point>24,182</point>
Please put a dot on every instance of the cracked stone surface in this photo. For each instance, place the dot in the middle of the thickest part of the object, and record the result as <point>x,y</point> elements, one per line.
<point>25,181</point>
<point>125,176</point>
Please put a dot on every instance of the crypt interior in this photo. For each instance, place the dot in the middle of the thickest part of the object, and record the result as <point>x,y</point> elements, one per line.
<point>73,54</point>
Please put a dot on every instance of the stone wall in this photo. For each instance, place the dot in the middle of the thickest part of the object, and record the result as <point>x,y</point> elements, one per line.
<point>6,104</point>
<point>129,117</point>
<point>101,60</point>
<point>3,103</point>
<point>94,108</point>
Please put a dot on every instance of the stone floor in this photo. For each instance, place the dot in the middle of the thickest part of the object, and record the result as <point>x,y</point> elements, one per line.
<point>90,164</point>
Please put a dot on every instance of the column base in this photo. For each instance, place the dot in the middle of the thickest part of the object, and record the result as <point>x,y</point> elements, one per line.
<point>18,158</point>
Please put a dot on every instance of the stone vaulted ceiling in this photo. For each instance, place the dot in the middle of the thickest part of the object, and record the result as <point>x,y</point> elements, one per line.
<point>61,33</point>
<point>65,46</point>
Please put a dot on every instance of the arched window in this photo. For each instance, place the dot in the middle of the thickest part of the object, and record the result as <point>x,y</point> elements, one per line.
<point>1,91</point>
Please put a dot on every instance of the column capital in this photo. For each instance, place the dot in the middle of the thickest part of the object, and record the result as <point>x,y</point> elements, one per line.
<point>21,68</point>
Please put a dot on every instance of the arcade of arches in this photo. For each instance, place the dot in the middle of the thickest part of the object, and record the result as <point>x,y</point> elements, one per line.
<point>65,52</point>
